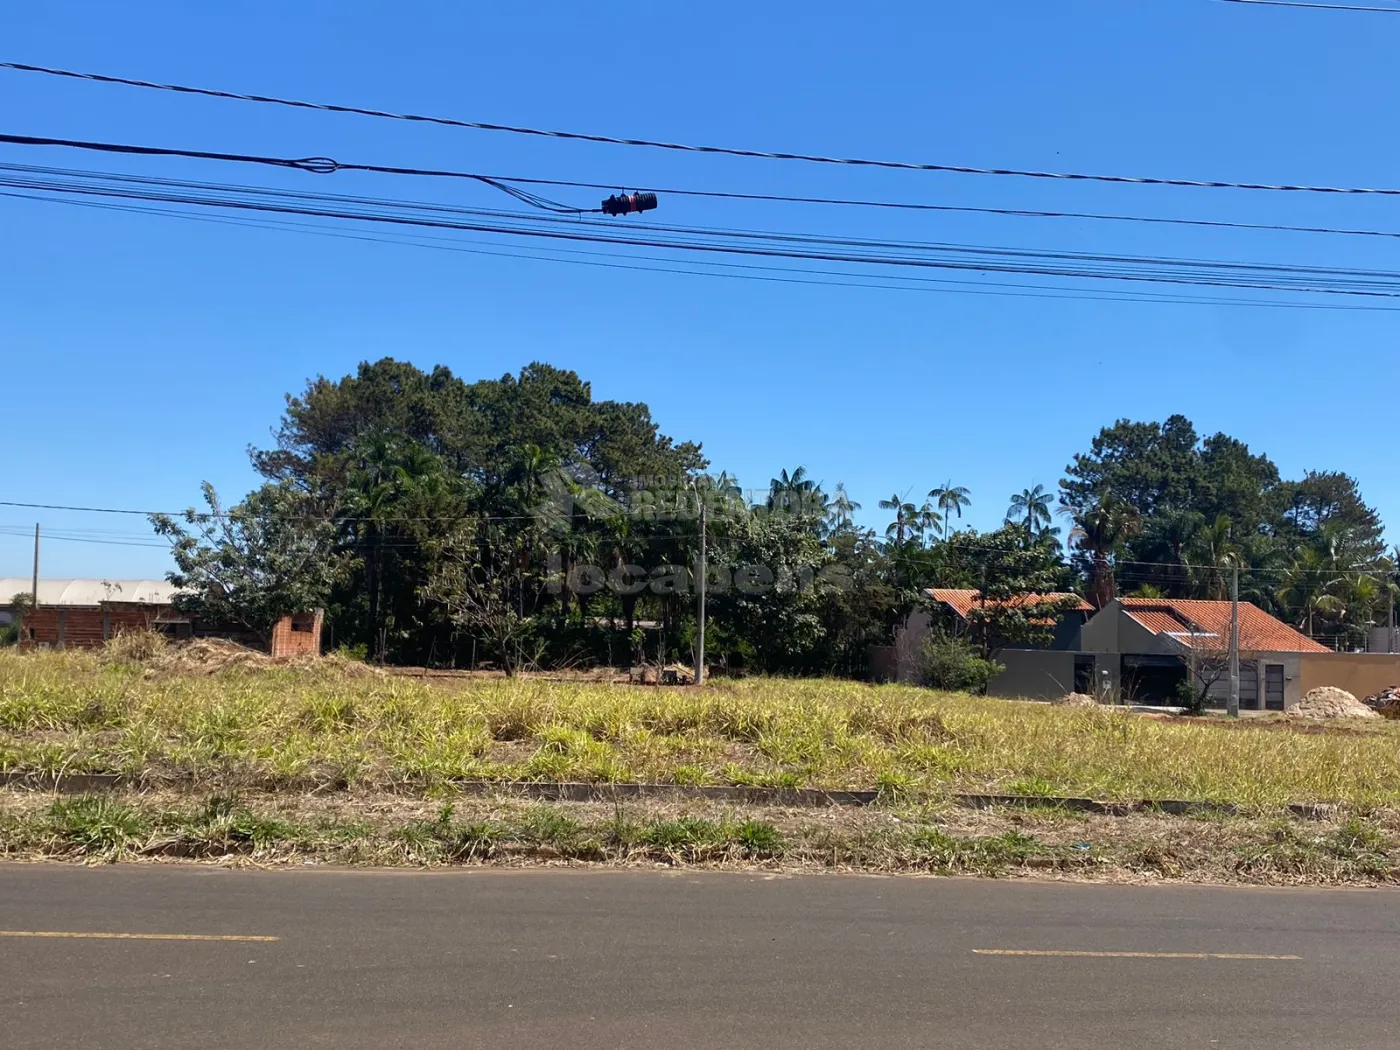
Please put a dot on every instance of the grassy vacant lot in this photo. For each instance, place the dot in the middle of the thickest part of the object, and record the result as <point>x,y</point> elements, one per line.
<point>329,723</point>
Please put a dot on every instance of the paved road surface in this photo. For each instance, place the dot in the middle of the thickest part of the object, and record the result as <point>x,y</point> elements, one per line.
<point>566,959</point>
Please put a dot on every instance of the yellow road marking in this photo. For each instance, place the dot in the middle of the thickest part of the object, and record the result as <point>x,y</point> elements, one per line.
<point>1137,955</point>
<point>136,936</point>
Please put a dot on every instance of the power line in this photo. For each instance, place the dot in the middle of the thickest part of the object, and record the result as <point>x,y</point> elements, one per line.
<point>1026,213</point>
<point>1319,7</point>
<point>1122,563</point>
<point>958,169</point>
<point>504,183</point>
<point>971,258</point>
<point>315,165</point>
<point>944,286</point>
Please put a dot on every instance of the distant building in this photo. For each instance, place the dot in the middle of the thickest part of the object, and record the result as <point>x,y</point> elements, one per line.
<point>953,609</point>
<point>84,614</point>
<point>1145,646</point>
<point>1140,650</point>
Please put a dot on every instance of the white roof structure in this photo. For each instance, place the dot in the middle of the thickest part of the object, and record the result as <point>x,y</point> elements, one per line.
<point>90,593</point>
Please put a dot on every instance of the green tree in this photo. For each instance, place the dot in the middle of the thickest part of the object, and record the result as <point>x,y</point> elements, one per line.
<point>950,500</point>
<point>1148,467</point>
<point>1031,508</point>
<point>1214,555</point>
<point>841,517</point>
<point>1308,587</point>
<point>1101,530</point>
<point>248,566</point>
<point>1017,576</point>
<point>905,517</point>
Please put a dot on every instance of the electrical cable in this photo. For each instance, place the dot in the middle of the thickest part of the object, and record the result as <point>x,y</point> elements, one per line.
<point>179,516</point>
<point>314,165</point>
<point>1319,7</point>
<point>705,231</point>
<point>599,259</point>
<point>505,184</point>
<point>685,148</point>
<point>1201,273</point>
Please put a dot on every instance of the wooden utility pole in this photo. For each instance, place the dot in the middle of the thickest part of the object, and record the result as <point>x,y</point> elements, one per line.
<point>1233,705</point>
<point>701,573</point>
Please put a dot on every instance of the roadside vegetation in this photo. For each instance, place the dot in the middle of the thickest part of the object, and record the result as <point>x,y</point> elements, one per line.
<point>338,724</point>
<point>351,828</point>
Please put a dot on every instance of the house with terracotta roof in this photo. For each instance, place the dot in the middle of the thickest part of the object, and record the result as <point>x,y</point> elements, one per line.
<point>1142,648</point>
<point>954,610</point>
<point>961,606</point>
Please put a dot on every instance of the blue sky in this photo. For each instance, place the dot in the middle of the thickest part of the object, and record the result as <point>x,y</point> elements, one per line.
<point>141,355</point>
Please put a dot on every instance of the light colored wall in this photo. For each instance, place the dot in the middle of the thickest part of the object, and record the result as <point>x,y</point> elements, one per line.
<point>1360,674</point>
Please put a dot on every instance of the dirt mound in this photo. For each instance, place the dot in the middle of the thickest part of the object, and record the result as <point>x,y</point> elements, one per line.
<point>1328,701</point>
<point>1076,700</point>
<point>210,656</point>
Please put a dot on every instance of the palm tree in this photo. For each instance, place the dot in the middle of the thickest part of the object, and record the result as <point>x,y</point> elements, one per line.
<point>843,509</point>
<point>928,520</point>
<point>904,516</point>
<point>1031,508</point>
<point>1101,530</point>
<point>1214,550</point>
<point>950,499</point>
<point>1309,586</point>
<point>391,483</point>
<point>1176,533</point>
<point>791,492</point>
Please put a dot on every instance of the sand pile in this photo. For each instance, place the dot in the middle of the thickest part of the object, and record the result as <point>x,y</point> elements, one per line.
<point>1076,700</point>
<point>1328,701</point>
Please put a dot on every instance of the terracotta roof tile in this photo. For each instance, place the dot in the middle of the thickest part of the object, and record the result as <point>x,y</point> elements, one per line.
<point>963,602</point>
<point>1180,618</point>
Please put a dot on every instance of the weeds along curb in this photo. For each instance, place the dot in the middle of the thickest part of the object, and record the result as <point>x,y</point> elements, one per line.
<point>82,783</point>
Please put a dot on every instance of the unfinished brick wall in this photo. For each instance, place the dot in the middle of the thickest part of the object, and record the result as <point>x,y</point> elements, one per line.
<point>83,627</point>
<point>297,635</point>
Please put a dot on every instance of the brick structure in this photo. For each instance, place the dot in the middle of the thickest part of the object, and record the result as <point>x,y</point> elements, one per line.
<point>84,614</point>
<point>87,627</point>
<point>297,635</point>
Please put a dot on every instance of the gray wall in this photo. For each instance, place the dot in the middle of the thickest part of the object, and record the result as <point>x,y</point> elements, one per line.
<point>1033,674</point>
<point>1380,640</point>
<point>1100,634</point>
<point>1113,631</point>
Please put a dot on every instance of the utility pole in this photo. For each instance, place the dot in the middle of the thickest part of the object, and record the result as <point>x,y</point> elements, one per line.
<point>34,594</point>
<point>1233,705</point>
<point>701,573</point>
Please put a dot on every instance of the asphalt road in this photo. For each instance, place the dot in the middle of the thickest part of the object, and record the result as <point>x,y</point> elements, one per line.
<point>566,959</point>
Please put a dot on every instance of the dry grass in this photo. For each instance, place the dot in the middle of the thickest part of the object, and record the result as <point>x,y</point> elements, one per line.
<point>254,723</point>
<point>362,828</point>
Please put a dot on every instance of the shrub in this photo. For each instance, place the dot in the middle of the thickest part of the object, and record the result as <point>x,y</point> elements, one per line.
<point>1191,699</point>
<point>948,662</point>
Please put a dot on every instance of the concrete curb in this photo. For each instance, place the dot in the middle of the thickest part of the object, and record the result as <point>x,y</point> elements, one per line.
<point>551,791</point>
